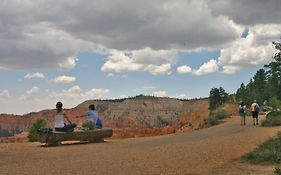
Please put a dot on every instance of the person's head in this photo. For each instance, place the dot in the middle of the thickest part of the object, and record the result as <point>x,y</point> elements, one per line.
<point>92,107</point>
<point>59,106</point>
<point>242,103</point>
<point>255,101</point>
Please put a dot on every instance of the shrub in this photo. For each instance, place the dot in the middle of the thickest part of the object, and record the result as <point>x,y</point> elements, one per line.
<point>214,118</point>
<point>32,135</point>
<point>270,151</point>
<point>274,103</point>
<point>272,119</point>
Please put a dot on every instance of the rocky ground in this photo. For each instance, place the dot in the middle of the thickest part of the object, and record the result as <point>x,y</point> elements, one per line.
<point>216,150</point>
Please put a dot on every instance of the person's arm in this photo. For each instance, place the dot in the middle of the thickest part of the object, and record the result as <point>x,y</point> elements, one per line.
<point>79,116</point>
<point>66,117</point>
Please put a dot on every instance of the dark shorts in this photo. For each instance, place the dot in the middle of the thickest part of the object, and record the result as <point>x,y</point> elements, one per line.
<point>255,114</point>
<point>67,128</point>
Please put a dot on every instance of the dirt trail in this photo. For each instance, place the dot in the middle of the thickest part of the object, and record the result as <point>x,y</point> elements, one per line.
<point>215,150</point>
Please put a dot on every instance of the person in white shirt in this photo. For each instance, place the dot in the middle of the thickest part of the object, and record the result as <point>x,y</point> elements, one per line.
<point>59,120</point>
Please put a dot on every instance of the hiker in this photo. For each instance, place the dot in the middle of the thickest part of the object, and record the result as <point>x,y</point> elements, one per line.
<point>59,120</point>
<point>255,112</point>
<point>242,112</point>
<point>93,119</point>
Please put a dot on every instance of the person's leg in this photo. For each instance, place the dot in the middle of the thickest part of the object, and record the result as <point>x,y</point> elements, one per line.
<point>60,129</point>
<point>241,118</point>
<point>257,118</point>
<point>69,127</point>
<point>89,125</point>
<point>244,117</point>
<point>253,115</point>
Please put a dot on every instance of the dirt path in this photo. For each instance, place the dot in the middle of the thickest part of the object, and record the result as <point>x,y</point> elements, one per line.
<point>215,150</point>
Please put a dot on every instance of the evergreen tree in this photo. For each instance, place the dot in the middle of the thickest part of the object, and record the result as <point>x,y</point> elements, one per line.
<point>274,73</point>
<point>217,97</point>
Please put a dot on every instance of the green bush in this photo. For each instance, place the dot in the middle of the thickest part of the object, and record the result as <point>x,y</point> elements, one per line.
<point>220,113</point>
<point>214,118</point>
<point>32,135</point>
<point>270,151</point>
<point>272,119</point>
<point>275,103</point>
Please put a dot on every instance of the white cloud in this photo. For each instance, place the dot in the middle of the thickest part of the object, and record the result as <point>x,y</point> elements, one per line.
<point>30,93</point>
<point>73,92</point>
<point>155,62</point>
<point>163,69</point>
<point>68,63</point>
<point>253,51</point>
<point>35,75</point>
<point>64,79</point>
<point>210,67</point>
<point>5,94</point>
<point>160,93</point>
<point>184,69</point>
<point>76,92</point>
<point>96,94</point>
<point>181,96</point>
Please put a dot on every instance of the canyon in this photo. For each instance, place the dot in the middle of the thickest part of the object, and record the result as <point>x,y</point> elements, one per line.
<point>129,117</point>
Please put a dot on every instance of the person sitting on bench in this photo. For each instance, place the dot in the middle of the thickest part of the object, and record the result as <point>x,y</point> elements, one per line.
<point>59,120</point>
<point>93,119</point>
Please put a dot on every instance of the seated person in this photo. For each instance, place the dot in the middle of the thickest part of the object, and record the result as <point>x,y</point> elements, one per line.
<point>59,120</point>
<point>93,120</point>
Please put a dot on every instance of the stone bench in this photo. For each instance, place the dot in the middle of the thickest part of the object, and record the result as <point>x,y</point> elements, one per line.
<point>55,138</point>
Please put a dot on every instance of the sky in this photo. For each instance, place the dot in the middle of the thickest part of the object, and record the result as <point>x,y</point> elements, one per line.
<point>72,51</point>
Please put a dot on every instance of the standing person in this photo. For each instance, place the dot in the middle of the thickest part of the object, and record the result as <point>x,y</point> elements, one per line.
<point>59,120</point>
<point>242,112</point>
<point>255,112</point>
<point>93,119</point>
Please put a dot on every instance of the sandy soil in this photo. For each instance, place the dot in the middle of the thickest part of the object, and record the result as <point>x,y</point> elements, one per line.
<point>216,150</point>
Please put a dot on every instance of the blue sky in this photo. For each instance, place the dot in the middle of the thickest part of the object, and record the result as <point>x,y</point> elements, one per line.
<point>54,52</point>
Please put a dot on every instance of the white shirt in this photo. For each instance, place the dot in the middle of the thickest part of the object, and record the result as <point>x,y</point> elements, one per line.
<point>59,121</point>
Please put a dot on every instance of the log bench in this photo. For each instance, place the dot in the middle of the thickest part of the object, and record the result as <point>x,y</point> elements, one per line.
<point>55,138</point>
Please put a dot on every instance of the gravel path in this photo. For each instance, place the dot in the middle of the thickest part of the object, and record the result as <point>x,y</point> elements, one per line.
<point>209,151</point>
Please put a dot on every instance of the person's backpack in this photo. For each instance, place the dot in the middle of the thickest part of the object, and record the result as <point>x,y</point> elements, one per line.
<point>241,110</point>
<point>257,108</point>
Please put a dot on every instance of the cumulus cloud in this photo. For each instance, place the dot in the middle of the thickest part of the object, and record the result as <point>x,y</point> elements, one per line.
<point>76,92</point>
<point>30,93</point>
<point>72,92</point>
<point>34,75</point>
<point>210,67</point>
<point>96,93</point>
<point>160,93</point>
<point>184,69</point>
<point>254,50</point>
<point>181,96</point>
<point>250,12</point>
<point>5,94</point>
<point>49,34</point>
<point>64,79</point>
<point>155,62</point>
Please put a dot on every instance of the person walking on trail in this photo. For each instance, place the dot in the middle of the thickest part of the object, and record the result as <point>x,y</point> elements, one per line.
<point>60,124</point>
<point>93,120</point>
<point>242,112</point>
<point>255,112</point>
